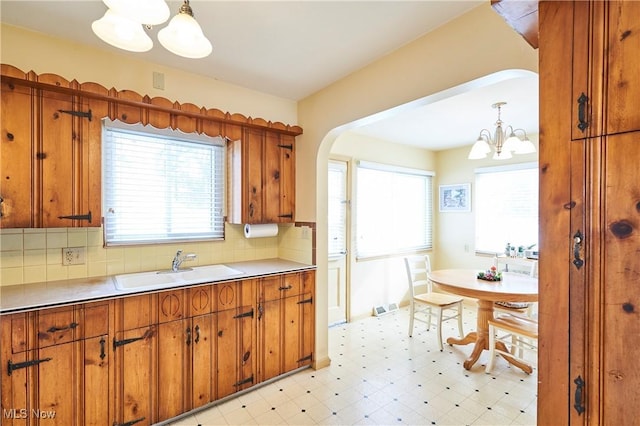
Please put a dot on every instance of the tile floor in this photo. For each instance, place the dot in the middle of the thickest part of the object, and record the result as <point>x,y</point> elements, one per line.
<point>380,376</point>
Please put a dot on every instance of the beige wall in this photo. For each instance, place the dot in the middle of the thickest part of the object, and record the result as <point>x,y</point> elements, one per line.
<point>31,51</point>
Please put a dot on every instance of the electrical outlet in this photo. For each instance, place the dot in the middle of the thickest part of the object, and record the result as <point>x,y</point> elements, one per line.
<point>73,256</point>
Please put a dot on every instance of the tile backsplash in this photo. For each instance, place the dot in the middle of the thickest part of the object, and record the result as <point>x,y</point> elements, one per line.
<point>35,254</point>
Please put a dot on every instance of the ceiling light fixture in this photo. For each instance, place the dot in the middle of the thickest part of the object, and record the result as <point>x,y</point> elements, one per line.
<point>122,32</point>
<point>124,22</point>
<point>504,142</point>
<point>183,36</point>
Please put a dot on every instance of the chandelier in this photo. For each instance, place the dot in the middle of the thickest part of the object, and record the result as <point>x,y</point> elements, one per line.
<point>124,22</point>
<point>505,141</point>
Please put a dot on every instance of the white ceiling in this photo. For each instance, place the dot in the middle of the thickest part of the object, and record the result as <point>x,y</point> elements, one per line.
<point>292,49</point>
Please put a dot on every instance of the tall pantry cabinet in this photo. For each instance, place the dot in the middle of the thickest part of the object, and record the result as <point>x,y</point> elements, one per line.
<point>589,212</point>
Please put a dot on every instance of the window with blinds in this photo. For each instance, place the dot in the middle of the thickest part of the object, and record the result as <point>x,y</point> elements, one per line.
<point>337,208</point>
<point>161,185</point>
<point>506,207</point>
<point>394,209</point>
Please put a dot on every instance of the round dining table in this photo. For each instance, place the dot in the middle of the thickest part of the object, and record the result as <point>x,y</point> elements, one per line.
<point>513,287</point>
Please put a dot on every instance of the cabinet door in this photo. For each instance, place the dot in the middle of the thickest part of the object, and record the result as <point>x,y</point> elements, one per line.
<point>203,360</point>
<point>95,380</point>
<point>620,271</point>
<point>606,75</point>
<point>279,178</point>
<point>57,398</point>
<point>252,176</point>
<point>54,155</point>
<point>271,337</point>
<point>306,329</point>
<point>16,160</point>
<point>14,395</point>
<point>234,346</point>
<point>135,379</point>
<point>174,344</point>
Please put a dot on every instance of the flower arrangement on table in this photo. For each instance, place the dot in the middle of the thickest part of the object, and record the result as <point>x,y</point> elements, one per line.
<point>491,274</point>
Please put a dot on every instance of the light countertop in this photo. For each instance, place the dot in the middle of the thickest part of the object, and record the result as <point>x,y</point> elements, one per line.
<point>24,297</point>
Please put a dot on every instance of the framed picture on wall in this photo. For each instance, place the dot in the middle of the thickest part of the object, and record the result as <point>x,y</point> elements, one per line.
<point>455,198</point>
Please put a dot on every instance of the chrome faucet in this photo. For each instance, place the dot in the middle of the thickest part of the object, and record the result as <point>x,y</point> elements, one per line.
<point>179,258</point>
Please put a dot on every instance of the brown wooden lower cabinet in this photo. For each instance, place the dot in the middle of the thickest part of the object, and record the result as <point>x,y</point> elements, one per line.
<point>51,373</point>
<point>285,323</point>
<point>142,359</point>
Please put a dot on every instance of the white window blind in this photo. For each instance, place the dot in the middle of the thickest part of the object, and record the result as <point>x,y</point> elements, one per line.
<point>394,209</point>
<point>161,185</point>
<point>506,207</point>
<point>337,208</point>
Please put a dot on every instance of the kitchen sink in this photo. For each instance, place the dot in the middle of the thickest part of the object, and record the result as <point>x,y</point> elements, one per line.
<point>168,278</point>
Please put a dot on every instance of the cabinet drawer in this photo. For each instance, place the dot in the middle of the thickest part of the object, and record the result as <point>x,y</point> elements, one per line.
<point>279,286</point>
<point>14,327</point>
<point>170,306</point>
<point>55,326</point>
<point>96,319</point>
<point>136,311</point>
<point>199,300</point>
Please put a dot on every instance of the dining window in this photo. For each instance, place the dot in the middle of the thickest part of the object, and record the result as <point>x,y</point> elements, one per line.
<point>394,209</point>
<point>506,205</point>
<point>161,185</point>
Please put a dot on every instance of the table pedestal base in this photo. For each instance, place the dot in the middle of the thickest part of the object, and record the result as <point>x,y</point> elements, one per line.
<point>480,338</point>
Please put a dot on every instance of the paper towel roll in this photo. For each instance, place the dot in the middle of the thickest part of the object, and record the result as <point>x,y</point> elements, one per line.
<point>260,231</point>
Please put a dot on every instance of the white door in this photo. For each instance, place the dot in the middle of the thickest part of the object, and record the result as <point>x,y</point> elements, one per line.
<point>338,204</point>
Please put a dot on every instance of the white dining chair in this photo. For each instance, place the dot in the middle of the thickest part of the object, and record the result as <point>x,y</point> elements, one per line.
<point>518,334</point>
<point>425,305</point>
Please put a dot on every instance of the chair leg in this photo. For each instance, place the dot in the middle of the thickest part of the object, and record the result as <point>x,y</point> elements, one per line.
<point>460,320</point>
<point>492,350</point>
<point>439,326</point>
<point>411,314</point>
<point>430,309</point>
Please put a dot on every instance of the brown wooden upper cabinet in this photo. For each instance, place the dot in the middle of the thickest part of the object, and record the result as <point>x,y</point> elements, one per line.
<point>605,72</point>
<point>261,178</point>
<point>50,164</point>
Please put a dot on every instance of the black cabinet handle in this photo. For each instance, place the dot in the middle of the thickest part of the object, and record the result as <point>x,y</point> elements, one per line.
<point>582,115</point>
<point>197,330</point>
<point>188,336</point>
<point>578,401</point>
<point>289,287</point>
<point>102,354</point>
<point>68,327</point>
<point>577,243</point>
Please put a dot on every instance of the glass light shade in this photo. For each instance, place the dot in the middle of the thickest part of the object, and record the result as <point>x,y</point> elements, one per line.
<point>511,144</point>
<point>479,150</point>
<point>149,12</point>
<point>122,32</point>
<point>183,36</point>
<point>525,147</point>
